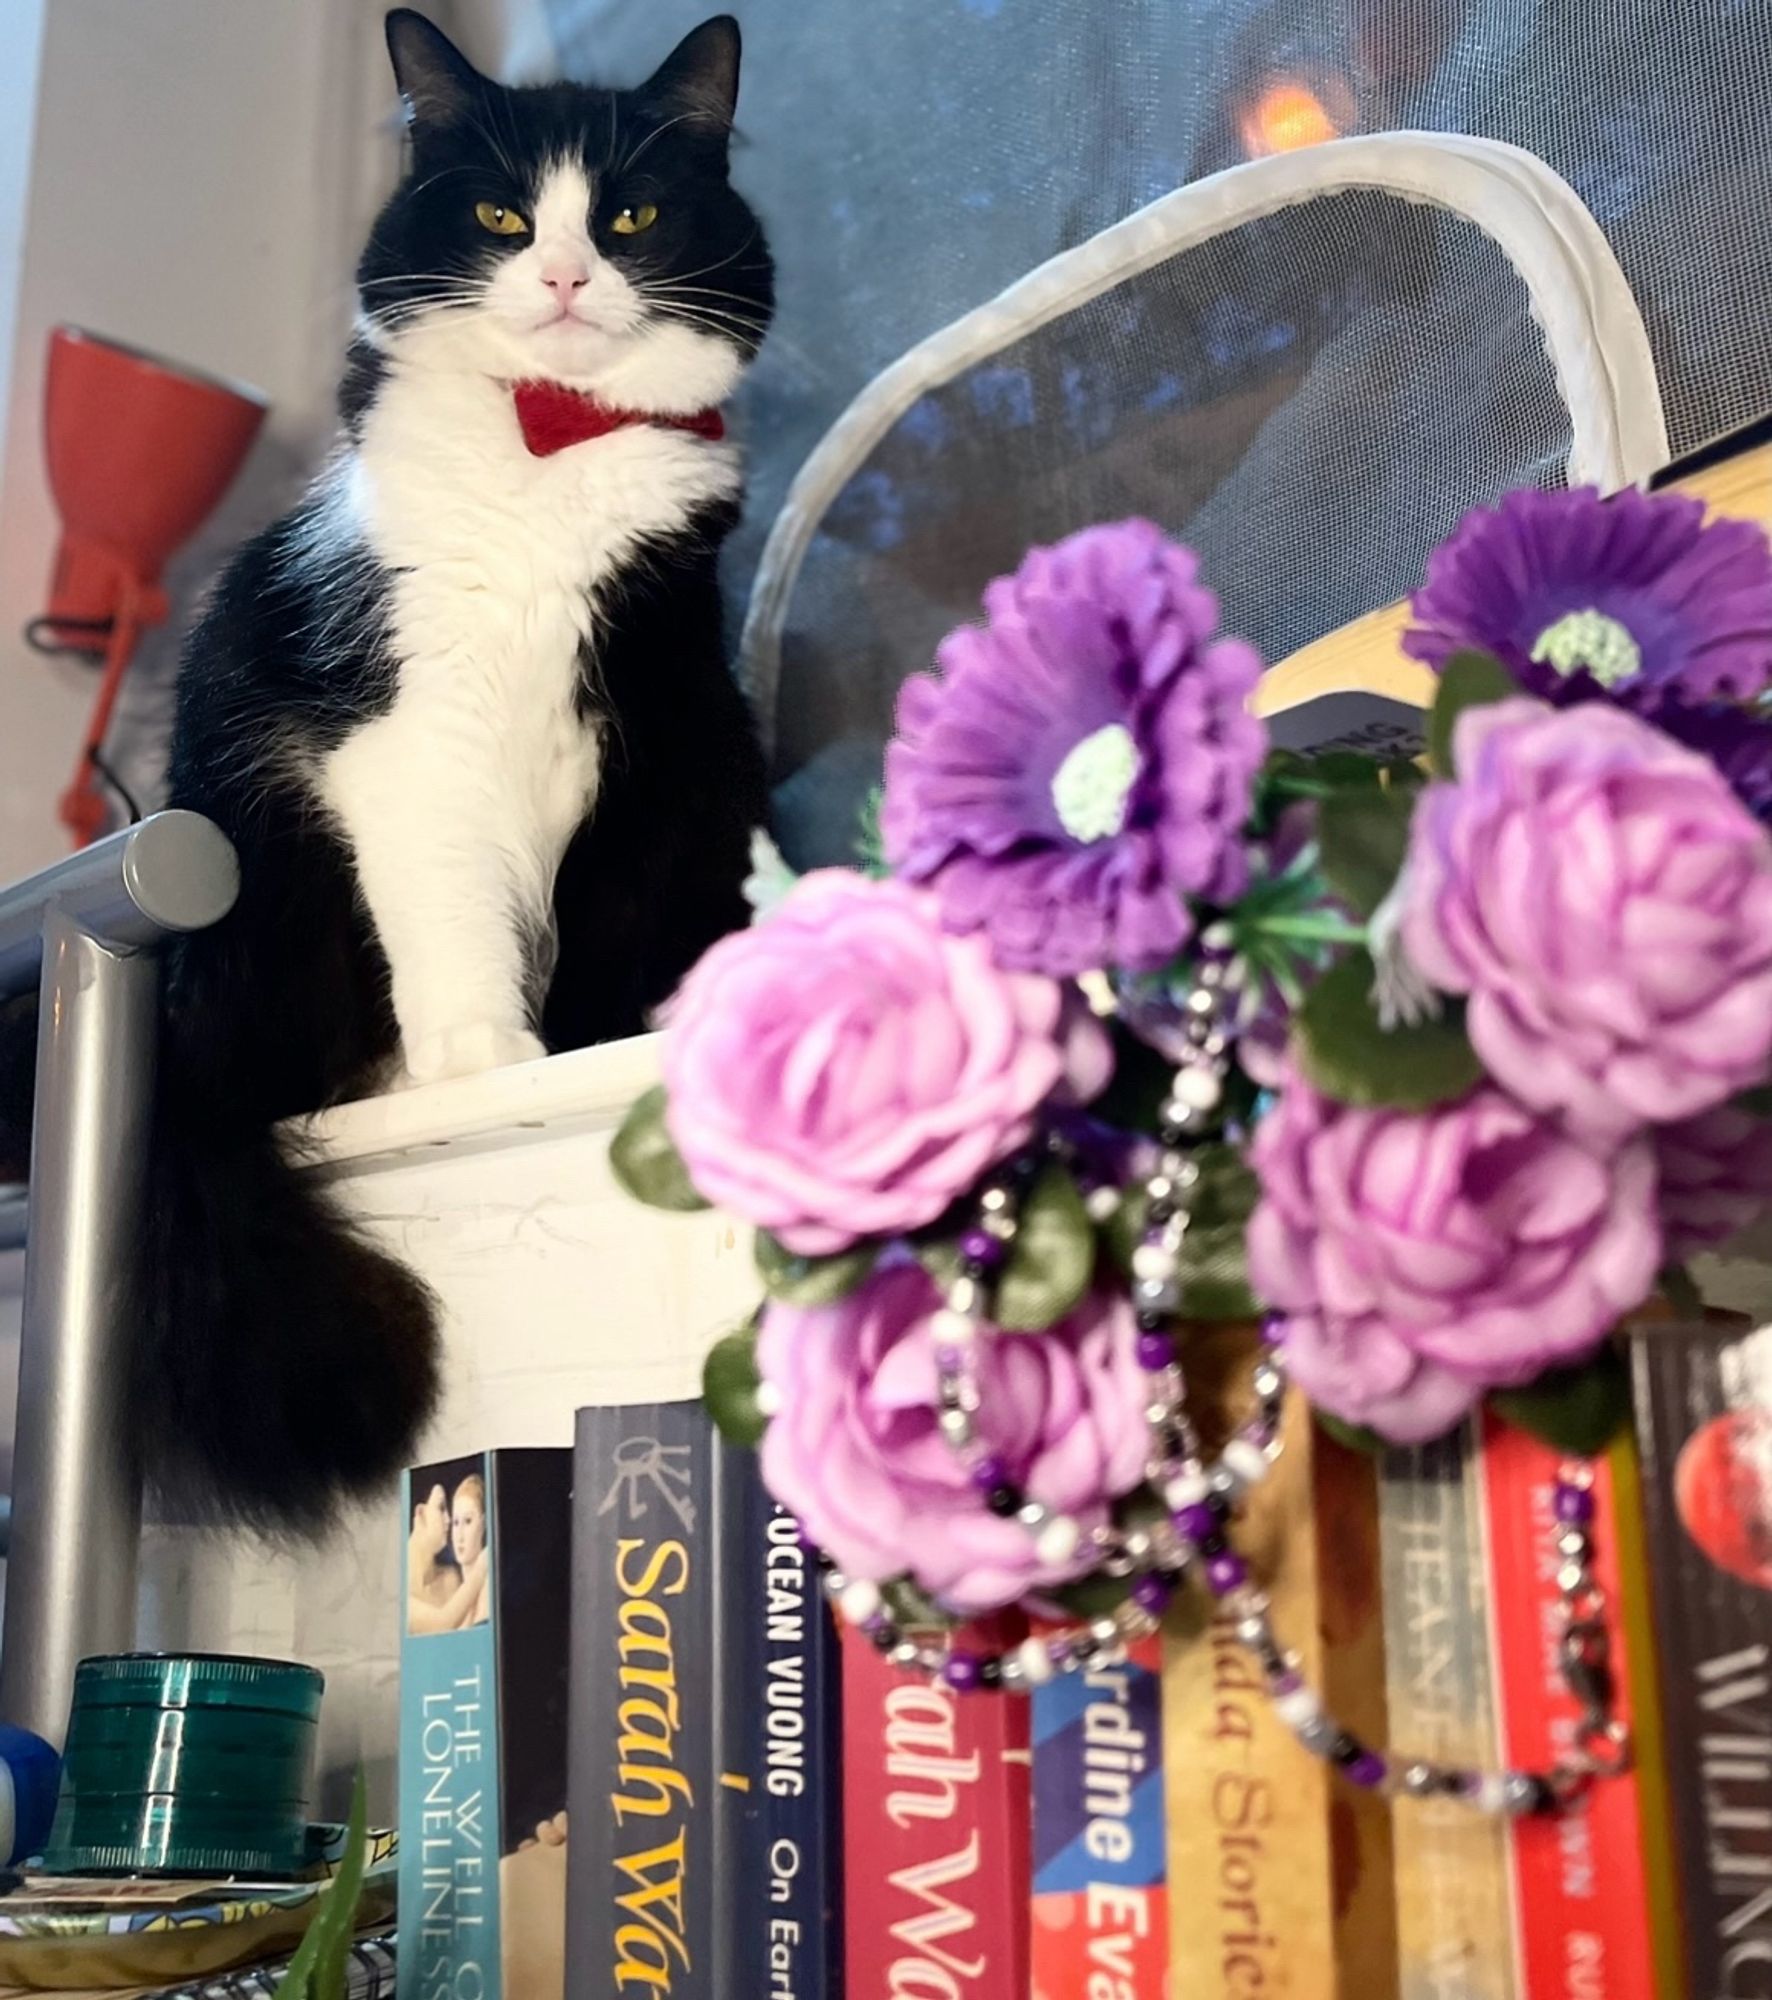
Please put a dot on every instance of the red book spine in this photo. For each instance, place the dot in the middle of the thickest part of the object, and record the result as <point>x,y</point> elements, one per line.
<point>935,1831</point>
<point>1581,1904</point>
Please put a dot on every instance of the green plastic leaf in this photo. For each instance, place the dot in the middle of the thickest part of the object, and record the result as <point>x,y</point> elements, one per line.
<point>1357,1437</point>
<point>912,1608</point>
<point>1468,680</point>
<point>317,1971</point>
<point>1053,1258</point>
<point>1363,835</point>
<point>1091,1596</point>
<point>1576,1410</point>
<point>1676,1284</point>
<point>1346,769</point>
<point>810,1281</point>
<point>729,1385</point>
<point>1050,1265</point>
<point>1348,1055</point>
<point>645,1161</point>
<point>1213,1265</point>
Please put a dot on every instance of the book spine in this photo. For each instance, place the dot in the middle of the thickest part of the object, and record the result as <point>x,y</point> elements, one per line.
<point>778,1831</point>
<point>1280,1873</point>
<point>1580,1887</point>
<point>935,1819</point>
<point>1100,1914</point>
<point>1704,1421</point>
<point>641,1777</point>
<point>1649,1749</point>
<point>449,1805</point>
<point>1454,1916</point>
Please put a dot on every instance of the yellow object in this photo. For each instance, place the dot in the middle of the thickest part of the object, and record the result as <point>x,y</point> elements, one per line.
<point>500,221</point>
<point>631,221</point>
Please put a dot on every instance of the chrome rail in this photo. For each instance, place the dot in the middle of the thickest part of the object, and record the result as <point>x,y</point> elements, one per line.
<point>86,930</point>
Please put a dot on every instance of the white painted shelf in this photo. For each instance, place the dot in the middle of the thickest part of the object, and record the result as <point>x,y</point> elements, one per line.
<point>557,1291</point>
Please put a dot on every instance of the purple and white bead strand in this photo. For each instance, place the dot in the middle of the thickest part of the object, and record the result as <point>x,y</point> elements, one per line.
<point>959,1326</point>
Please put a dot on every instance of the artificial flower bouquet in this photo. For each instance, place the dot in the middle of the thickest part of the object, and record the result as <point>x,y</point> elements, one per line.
<point>1438,1070</point>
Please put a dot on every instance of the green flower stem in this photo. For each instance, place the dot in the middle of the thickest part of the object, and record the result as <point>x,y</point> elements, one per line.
<point>1318,928</point>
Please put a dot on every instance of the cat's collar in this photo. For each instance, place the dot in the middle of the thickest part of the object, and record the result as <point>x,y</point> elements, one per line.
<point>553,416</point>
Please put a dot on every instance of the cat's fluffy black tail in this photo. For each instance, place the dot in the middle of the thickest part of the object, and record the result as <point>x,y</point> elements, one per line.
<point>281,1365</point>
<point>286,1365</point>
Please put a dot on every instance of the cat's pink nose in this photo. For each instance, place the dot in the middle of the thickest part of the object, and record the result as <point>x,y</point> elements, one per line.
<point>563,279</point>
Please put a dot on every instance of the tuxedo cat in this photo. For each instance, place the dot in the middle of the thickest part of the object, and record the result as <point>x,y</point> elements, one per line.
<point>466,715</point>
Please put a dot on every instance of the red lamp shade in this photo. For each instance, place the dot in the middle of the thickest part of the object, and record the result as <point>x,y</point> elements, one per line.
<point>139,452</point>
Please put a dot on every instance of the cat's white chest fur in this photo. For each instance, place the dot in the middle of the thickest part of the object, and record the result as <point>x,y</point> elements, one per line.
<point>460,799</point>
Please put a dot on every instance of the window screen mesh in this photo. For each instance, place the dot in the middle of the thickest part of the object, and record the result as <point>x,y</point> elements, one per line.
<point>1312,400</point>
<point>912,158</point>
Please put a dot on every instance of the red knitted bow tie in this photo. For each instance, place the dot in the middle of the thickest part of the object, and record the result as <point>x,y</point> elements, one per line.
<point>553,417</point>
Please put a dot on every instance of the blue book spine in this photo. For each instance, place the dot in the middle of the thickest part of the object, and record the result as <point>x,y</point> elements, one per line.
<point>641,1777</point>
<point>780,1744</point>
<point>449,1763</point>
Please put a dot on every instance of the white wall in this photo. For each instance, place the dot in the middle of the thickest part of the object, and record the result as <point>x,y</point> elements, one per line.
<point>201,174</point>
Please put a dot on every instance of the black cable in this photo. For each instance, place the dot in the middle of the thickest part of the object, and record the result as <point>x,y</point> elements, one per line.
<point>108,772</point>
<point>42,635</point>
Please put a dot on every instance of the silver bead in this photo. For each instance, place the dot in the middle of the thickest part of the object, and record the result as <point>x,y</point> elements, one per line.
<point>1201,1001</point>
<point>1104,1631</point>
<point>999,1224</point>
<point>956,1426</point>
<point>1519,1793</point>
<point>1320,1735</point>
<point>1570,1577</point>
<point>1252,1630</point>
<point>906,1653</point>
<point>1268,1382</point>
<point>1573,1545</point>
<point>1103,1203</point>
<point>1156,1295</point>
<point>1031,1514</point>
<point>835,1583</point>
<point>994,1200</point>
<point>1419,1781</point>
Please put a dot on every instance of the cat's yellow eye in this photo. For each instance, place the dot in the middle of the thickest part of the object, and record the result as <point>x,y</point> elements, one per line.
<point>500,221</point>
<point>631,221</point>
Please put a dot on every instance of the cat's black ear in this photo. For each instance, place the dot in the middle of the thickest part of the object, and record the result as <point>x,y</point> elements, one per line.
<point>698,80</point>
<point>436,80</point>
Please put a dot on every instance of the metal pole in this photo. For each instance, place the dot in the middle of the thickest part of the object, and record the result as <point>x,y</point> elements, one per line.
<point>70,1576</point>
<point>76,1489</point>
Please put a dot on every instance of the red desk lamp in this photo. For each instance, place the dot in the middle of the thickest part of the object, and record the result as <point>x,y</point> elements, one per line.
<point>140,451</point>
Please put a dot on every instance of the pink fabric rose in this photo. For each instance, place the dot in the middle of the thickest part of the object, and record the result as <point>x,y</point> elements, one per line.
<point>1422,1258</point>
<point>857,1456</point>
<point>1716,1177</point>
<point>846,1068</point>
<point>1606,901</point>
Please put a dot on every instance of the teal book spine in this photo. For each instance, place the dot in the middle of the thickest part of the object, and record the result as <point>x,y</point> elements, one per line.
<point>449,1905</point>
<point>483,1700</point>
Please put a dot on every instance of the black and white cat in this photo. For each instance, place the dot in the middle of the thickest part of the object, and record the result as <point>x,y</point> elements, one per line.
<point>467,717</point>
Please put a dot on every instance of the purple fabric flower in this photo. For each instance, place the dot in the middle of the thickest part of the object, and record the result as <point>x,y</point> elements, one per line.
<point>1716,1177</point>
<point>1606,902</point>
<point>846,1068</point>
<point>857,1456</point>
<point>1423,1258</point>
<point>1635,589</point>
<point>1083,763</point>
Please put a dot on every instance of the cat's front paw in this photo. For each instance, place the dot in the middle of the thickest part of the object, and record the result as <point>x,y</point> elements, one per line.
<point>470,1051</point>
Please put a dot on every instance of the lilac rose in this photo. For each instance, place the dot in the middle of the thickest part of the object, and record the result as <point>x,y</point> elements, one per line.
<point>1716,1177</point>
<point>1606,902</point>
<point>1422,1258</point>
<point>847,1067</point>
<point>857,1456</point>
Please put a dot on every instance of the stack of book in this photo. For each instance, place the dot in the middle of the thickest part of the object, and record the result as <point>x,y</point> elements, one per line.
<point>704,1792</point>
